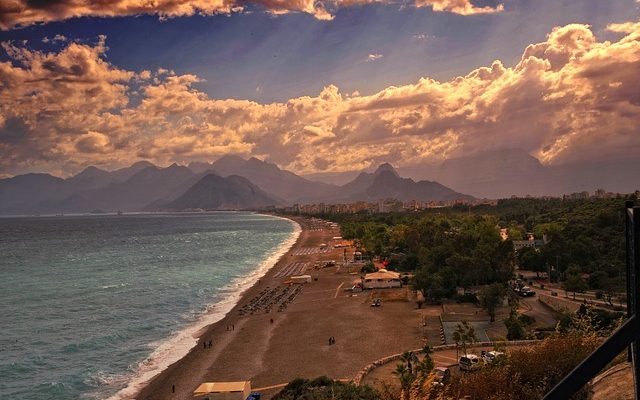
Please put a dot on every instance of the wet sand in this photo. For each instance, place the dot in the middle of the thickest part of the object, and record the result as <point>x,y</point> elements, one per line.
<point>296,343</point>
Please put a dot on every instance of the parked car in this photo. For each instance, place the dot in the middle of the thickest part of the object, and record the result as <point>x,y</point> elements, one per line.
<point>526,291</point>
<point>469,362</point>
<point>376,302</point>
<point>442,375</point>
<point>490,356</point>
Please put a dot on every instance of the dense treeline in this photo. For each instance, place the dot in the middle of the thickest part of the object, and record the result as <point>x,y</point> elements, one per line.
<point>445,251</point>
<point>461,246</point>
<point>586,233</point>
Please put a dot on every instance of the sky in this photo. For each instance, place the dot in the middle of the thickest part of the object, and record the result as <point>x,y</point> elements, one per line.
<point>315,86</point>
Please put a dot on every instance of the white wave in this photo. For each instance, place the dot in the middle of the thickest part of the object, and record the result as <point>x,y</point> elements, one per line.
<point>179,345</point>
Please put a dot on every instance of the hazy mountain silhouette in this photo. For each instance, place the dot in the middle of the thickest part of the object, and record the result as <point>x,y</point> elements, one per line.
<point>506,172</point>
<point>494,174</point>
<point>332,178</point>
<point>270,178</point>
<point>213,192</point>
<point>144,186</point>
<point>252,184</point>
<point>21,194</point>
<point>385,183</point>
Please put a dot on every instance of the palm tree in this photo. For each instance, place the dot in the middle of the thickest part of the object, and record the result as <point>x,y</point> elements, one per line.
<point>406,378</point>
<point>425,366</point>
<point>409,358</point>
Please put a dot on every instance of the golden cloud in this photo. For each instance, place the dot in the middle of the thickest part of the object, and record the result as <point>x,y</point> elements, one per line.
<point>461,7</point>
<point>569,98</point>
<point>26,12</point>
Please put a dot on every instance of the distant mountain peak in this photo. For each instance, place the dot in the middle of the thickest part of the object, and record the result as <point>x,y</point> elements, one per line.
<point>142,164</point>
<point>386,167</point>
<point>92,171</point>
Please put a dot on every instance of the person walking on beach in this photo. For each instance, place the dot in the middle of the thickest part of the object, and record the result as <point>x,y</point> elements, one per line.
<point>204,345</point>
<point>173,388</point>
<point>210,343</point>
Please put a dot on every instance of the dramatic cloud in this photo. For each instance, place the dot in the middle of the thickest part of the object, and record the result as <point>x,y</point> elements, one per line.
<point>569,98</point>
<point>26,12</point>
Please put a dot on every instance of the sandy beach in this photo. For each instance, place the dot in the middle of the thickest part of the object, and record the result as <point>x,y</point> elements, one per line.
<point>272,348</point>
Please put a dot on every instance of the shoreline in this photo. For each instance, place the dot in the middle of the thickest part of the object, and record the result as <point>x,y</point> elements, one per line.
<point>189,337</point>
<point>278,331</point>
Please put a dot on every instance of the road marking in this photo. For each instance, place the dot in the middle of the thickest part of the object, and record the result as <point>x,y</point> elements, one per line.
<point>270,387</point>
<point>338,290</point>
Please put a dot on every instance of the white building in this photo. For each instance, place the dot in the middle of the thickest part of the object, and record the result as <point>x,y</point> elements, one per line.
<point>381,279</point>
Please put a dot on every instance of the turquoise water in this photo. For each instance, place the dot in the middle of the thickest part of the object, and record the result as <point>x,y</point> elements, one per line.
<point>91,305</point>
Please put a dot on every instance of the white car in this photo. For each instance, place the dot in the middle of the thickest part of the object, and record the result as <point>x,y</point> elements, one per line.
<point>469,362</point>
<point>490,356</point>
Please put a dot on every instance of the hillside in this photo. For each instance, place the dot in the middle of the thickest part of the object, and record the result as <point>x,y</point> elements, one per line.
<point>214,192</point>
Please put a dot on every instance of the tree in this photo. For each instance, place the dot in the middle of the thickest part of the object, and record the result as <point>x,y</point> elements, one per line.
<point>531,259</point>
<point>515,328</point>
<point>406,378</point>
<point>574,283</point>
<point>491,298</point>
<point>464,333</point>
<point>409,358</point>
<point>425,366</point>
<point>431,285</point>
<point>597,280</point>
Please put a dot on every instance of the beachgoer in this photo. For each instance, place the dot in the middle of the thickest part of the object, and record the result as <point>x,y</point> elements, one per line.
<point>272,320</point>
<point>204,345</point>
<point>210,343</point>
<point>233,327</point>
<point>173,388</point>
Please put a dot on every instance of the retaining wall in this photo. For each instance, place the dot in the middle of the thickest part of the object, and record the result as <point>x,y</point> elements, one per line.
<point>357,380</point>
<point>558,303</point>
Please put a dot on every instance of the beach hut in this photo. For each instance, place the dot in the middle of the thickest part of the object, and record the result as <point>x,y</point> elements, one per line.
<point>301,279</point>
<point>382,279</point>
<point>223,390</point>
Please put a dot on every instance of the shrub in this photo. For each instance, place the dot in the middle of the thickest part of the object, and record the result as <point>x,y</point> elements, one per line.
<point>527,373</point>
<point>324,388</point>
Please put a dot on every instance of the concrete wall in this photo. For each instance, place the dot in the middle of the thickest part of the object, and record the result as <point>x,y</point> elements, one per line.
<point>374,284</point>
<point>558,303</point>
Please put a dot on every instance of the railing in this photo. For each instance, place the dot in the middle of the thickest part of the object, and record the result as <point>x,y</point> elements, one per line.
<point>628,335</point>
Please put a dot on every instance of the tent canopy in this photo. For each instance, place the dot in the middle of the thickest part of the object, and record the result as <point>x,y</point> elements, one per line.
<point>221,387</point>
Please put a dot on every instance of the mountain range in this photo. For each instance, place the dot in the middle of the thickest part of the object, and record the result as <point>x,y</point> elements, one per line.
<point>513,172</point>
<point>232,182</point>
<point>229,183</point>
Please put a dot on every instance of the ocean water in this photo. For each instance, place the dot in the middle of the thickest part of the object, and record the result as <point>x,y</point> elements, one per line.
<point>93,306</point>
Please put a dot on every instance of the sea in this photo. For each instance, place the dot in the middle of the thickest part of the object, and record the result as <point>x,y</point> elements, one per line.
<point>93,306</point>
